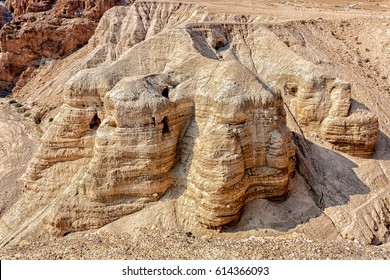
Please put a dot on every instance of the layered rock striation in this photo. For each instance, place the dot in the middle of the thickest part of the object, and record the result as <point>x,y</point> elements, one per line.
<point>244,148</point>
<point>169,99</point>
<point>320,102</point>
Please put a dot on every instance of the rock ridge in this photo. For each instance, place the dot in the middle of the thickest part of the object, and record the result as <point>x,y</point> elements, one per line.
<point>204,108</point>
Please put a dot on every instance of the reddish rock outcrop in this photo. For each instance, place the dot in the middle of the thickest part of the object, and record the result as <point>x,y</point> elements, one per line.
<point>21,7</point>
<point>45,30</point>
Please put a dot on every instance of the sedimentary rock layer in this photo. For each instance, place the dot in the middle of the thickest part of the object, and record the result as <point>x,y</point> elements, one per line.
<point>169,99</point>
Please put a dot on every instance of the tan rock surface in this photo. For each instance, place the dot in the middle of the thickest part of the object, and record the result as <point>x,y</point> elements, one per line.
<point>141,124</point>
<point>199,117</point>
<point>18,143</point>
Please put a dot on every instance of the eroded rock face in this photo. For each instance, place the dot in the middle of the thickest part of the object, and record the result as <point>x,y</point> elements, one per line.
<point>66,8</point>
<point>22,7</point>
<point>45,30</point>
<point>166,102</point>
<point>313,95</point>
<point>355,134</point>
<point>320,102</point>
<point>244,148</point>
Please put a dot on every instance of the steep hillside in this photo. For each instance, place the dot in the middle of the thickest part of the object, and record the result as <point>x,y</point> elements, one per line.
<point>44,30</point>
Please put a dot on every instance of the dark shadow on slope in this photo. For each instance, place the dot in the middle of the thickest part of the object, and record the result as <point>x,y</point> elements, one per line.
<point>382,147</point>
<point>185,152</point>
<point>323,179</point>
<point>355,105</point>
<point>331,177</point>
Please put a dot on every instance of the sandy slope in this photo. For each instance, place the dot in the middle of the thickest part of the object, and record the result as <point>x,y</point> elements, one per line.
<point>18,142</point>
<point>163,243</point>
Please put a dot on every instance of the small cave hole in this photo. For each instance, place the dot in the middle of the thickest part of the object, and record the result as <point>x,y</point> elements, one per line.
<point>291,89</point>
<point>95,122</point>
<point>165,128</point>
<point>219,44</point>
<point>165,92</point>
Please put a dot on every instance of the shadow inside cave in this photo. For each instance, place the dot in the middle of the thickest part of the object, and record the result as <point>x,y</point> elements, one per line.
<point>324,178</point>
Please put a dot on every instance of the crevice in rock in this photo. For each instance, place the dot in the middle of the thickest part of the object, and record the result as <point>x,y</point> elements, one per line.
<point>165,128</point>
<point>67,233</point>
<point>165,92</point>
<point>219,44</point>
<point>95,122</point>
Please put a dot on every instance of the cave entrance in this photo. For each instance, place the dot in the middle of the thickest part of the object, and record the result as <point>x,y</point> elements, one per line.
<point>165,128</point>
<point>95,122</point>
<point>219,45</point>
<point>165,92</point>
<point>291,89</point>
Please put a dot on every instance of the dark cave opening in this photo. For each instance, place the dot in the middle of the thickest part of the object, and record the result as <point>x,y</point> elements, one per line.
<point>291,89</point>
<point>165,92</point>
<point>219,45</point>
<point>165,125</point>
<point>95,122</point>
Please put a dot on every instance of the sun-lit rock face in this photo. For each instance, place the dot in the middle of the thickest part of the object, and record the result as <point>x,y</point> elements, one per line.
<point>244,148</point>
<point>165,99</point>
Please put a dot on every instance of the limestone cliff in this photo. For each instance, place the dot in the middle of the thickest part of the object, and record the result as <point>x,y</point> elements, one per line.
<point>124,122</point>
<point>161,97</point>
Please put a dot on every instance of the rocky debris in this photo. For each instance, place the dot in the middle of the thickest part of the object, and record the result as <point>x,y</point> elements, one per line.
<point>168,244</point>
<point>44,30</point>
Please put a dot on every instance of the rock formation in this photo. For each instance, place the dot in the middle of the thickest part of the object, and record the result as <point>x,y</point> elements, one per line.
<point>165,98</point>
<point>321,103</point>
<point>22,7</point>
<point>243,150</point>
<point>45,30</point>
